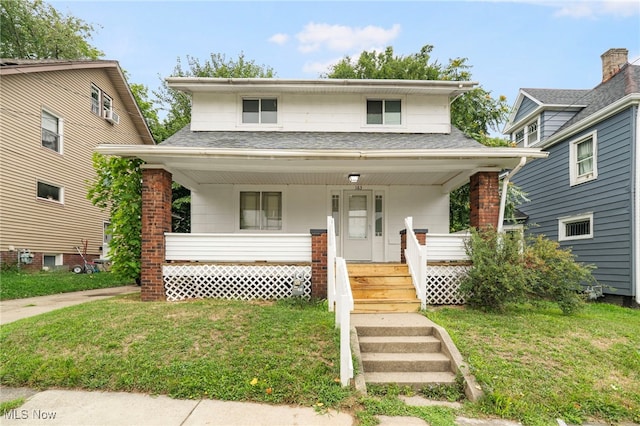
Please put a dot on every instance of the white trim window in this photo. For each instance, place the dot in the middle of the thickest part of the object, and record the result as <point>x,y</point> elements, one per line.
<point>107,105</point>
<point>528,135</point>
<point>583,156</point>
<point>261,210</point>
<point>384,111</point>
<point>46,191</point>
<point>96,94</point>
<point>260,110</point>
<point>51,131</point>
<point>578,227</point>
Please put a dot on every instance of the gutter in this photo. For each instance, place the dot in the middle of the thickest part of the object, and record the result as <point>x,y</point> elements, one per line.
<point>503,197</point>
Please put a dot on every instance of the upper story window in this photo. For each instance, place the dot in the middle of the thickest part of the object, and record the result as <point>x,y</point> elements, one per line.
<point>384,111</point>
<point>95,100</point>
<point>578,227</point>
<point>261,210</point>
<point>107,105</point>
<point>50,192</point>
<point>527,135</point>
<point>51,131</point>
<point>583,157</point>
<point>262,111</point>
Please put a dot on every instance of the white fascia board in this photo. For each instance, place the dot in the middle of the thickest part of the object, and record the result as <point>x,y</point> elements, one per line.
<point>327,85</point>
<point>635,273</point>
<point>614,108</point>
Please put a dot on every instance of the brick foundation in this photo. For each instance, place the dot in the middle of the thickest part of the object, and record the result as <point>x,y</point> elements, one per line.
<point>319,263</point>
<point>156,220</point>
<point>484,200</point>
<point>421,236</point>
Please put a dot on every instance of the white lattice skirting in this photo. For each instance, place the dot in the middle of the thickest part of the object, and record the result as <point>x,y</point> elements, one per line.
<point>236,282</point>
<point>443,283</point>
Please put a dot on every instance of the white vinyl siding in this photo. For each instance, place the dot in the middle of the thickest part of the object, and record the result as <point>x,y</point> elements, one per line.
<point>577,227</point>
<point>583,159</point>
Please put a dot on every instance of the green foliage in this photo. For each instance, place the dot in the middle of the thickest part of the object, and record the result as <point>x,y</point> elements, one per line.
<point>35,30</point>
<point>508,268</point>
<point>118,188</point>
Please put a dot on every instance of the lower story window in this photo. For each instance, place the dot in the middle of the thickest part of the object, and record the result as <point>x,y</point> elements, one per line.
<point>575,227</point>
<point>50,192</point>
<point>261,210</point>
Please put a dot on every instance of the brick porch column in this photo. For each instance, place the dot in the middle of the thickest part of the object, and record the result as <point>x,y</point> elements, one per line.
<point>156,220</point>
<point>318,263</point>
<point>484,199</point>
<point>421,236</point>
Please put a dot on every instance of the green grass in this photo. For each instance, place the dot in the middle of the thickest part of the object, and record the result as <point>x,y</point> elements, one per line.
<point>283,352</point>
<point>18,285</point>
<point>537,365</point>
<point>7,406</point>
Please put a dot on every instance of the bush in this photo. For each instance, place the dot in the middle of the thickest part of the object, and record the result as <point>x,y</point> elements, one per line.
<point>509,269</point>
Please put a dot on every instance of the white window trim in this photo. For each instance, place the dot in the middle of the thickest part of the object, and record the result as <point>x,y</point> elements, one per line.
<point>243,97</point>
<point>525,130</point>
<point>574,179</point>
<point>58,258</point>
<point>403,113</point>
<point>563,221</point>
<point>61,188</point>
<point>99,113</point>
<point>260,188</point>
<point>60,131</point>
<point>103,97</point>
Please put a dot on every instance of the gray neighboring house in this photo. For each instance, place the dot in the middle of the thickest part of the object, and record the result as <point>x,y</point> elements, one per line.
<point>586,194</point>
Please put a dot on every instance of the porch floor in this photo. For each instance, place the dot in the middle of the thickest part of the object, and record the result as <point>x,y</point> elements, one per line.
<point>382,287</point>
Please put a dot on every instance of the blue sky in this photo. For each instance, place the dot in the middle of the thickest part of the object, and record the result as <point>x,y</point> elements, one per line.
<point>510,44</point>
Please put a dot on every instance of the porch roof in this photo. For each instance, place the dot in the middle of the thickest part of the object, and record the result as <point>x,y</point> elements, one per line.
<point>298,158</point>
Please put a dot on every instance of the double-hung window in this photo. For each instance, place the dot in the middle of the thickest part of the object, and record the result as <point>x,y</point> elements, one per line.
<point>107,105</point>
<point>260,111</point>
<point>51,131</point>
<point>261,210</point>
<point>583,156</point>
<point>386,112</point>
<point>528,135</point>
<point>95,100</point>
<point>50,192</point>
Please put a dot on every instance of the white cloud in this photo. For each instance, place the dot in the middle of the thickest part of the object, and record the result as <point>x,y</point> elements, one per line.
<point>279,38</point>
<point>584,8</point>
<point>318,67</point>
<point>341,38</point>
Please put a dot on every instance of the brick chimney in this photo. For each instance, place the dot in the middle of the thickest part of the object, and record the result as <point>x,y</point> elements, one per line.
<point>612,61</point>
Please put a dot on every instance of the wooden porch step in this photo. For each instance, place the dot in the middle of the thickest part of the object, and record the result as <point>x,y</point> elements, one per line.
<point>384,292</point>
<point>392,280</point>
<point>364,306</point>
<point>377,269</point>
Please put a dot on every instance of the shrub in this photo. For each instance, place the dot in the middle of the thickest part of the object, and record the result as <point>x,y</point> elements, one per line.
<point>510,269</point>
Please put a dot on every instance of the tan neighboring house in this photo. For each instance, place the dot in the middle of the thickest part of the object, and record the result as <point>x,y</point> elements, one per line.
<point>53,113</point>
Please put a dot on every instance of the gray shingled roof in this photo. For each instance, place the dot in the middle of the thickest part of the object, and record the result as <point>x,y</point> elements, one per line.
<point>559,96</point>
<point>321,140</point>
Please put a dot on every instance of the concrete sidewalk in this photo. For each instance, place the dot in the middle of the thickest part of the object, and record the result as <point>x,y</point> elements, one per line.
<point>13,310</point>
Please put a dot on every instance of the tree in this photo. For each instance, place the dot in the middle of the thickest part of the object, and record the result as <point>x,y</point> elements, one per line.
<point>475,112</point>
<point>177,105</point>
<point>35,30</point>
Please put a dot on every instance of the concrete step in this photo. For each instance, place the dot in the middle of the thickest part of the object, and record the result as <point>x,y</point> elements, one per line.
<point>403,344</point>
<point>369,306</point>
<point>413,379</point>
<point>393,330</point>
<point>377,362</point>
<point>380,292</point>
<point>378,269</point>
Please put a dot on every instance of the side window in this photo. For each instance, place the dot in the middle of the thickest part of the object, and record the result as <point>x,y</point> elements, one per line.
<point>50,192</point>
<point>261,210</point>
<point>583,159</point>
<point>386,112</point>
<point>95,100</point>
<point>106,105</point>
<point>578,227</point>
<point>51,132</point>
<point>263,111</point>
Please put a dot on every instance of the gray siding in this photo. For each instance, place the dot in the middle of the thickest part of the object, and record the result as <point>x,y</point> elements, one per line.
<point>526,107</point>
<point>552,120</point>
<point>609,197</point>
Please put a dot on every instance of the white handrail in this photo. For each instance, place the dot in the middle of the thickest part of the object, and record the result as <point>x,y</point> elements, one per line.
<point>344,306</point>
<point>331,263</point>
<point>416,256</point>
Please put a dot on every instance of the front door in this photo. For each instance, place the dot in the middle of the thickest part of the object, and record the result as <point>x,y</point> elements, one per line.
<point>356,238</point>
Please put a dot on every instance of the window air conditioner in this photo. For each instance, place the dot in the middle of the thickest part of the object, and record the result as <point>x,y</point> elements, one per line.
<point>112,117</point>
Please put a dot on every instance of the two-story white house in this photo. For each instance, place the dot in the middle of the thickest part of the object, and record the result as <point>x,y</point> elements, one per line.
<point>268,160</point>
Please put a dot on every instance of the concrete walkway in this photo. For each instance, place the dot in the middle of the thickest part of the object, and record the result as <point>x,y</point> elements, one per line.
<point>13,310</point>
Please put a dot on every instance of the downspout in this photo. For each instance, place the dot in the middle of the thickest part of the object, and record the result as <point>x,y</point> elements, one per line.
<point>505,184</point>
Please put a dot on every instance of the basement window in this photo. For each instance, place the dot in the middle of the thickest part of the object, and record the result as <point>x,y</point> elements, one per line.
<point>578,227</point>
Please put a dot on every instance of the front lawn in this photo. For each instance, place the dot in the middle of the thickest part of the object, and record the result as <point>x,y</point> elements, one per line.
<point>18,285</point>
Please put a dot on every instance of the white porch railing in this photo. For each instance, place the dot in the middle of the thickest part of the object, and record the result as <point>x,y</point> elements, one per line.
<point>447,247</point>
<point>416,256</point>
<point>238,247</point>
<point>344,306</point>
<point>331,263</point>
